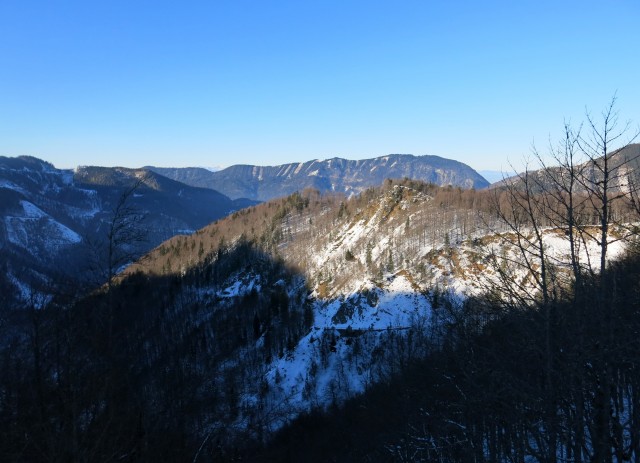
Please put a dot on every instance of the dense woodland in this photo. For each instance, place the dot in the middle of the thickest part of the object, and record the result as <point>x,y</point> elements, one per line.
<point>166,362</point>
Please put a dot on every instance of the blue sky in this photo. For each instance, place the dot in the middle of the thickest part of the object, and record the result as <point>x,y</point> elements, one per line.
<point>218,82</point>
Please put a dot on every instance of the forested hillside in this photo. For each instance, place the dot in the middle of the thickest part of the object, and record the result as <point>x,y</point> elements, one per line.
<point>226,335</point>
<point>488,391</point>
<point>410,322</point>
<point>56,224</point>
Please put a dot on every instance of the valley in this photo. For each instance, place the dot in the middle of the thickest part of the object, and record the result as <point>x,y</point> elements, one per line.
<point>281,312</point>
<point>319,232</point>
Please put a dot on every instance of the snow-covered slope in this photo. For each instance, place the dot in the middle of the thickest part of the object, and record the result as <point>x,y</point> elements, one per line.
<point>339,357</point>
<point>223,336</point>
<point>378,272</point>
<point>35,230</point>
<point>362,309</point>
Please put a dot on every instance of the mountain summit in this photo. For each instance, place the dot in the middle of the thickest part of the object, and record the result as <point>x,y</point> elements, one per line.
<point>336,174</point>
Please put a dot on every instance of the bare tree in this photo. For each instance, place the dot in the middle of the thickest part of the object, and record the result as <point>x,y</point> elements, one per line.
<point>605,186</point>
<point>579,198</point>
<point>605,179</point>
<point>121,241</point>
<point>124,234</point>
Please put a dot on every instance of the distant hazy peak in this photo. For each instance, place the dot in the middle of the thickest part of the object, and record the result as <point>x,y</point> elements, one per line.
<point>333,174</point>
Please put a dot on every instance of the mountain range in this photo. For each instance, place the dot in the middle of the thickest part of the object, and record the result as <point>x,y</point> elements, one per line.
<point>221,338</point>
<point>331,175</point>
<point>57,221</point>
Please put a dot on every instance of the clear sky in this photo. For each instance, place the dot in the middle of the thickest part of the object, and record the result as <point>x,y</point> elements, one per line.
<point>215,83</point>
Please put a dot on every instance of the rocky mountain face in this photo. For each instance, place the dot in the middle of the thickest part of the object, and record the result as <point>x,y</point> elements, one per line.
<point>331,175</point>
<point>55,221</point>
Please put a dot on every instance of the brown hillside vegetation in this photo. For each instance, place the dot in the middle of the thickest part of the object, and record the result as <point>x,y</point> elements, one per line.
<point>295,227</point>
<point>393,226</point>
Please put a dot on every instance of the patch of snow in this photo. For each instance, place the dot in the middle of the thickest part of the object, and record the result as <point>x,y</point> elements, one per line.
<point>28,295</point>
<point>323,367</point>
<point>35,227</point>
<point>11,186</point>
<point>257,172</point>
<point>31,211</point>
<point>242,285</point>
<point>286,170</point>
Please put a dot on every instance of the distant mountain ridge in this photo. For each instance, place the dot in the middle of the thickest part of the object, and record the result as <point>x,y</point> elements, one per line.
<point>336,174</point>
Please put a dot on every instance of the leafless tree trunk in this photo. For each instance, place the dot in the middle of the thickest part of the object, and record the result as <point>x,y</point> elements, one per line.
<point>589,179</point>
<point>605,178</point>
<point>124,232</point>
